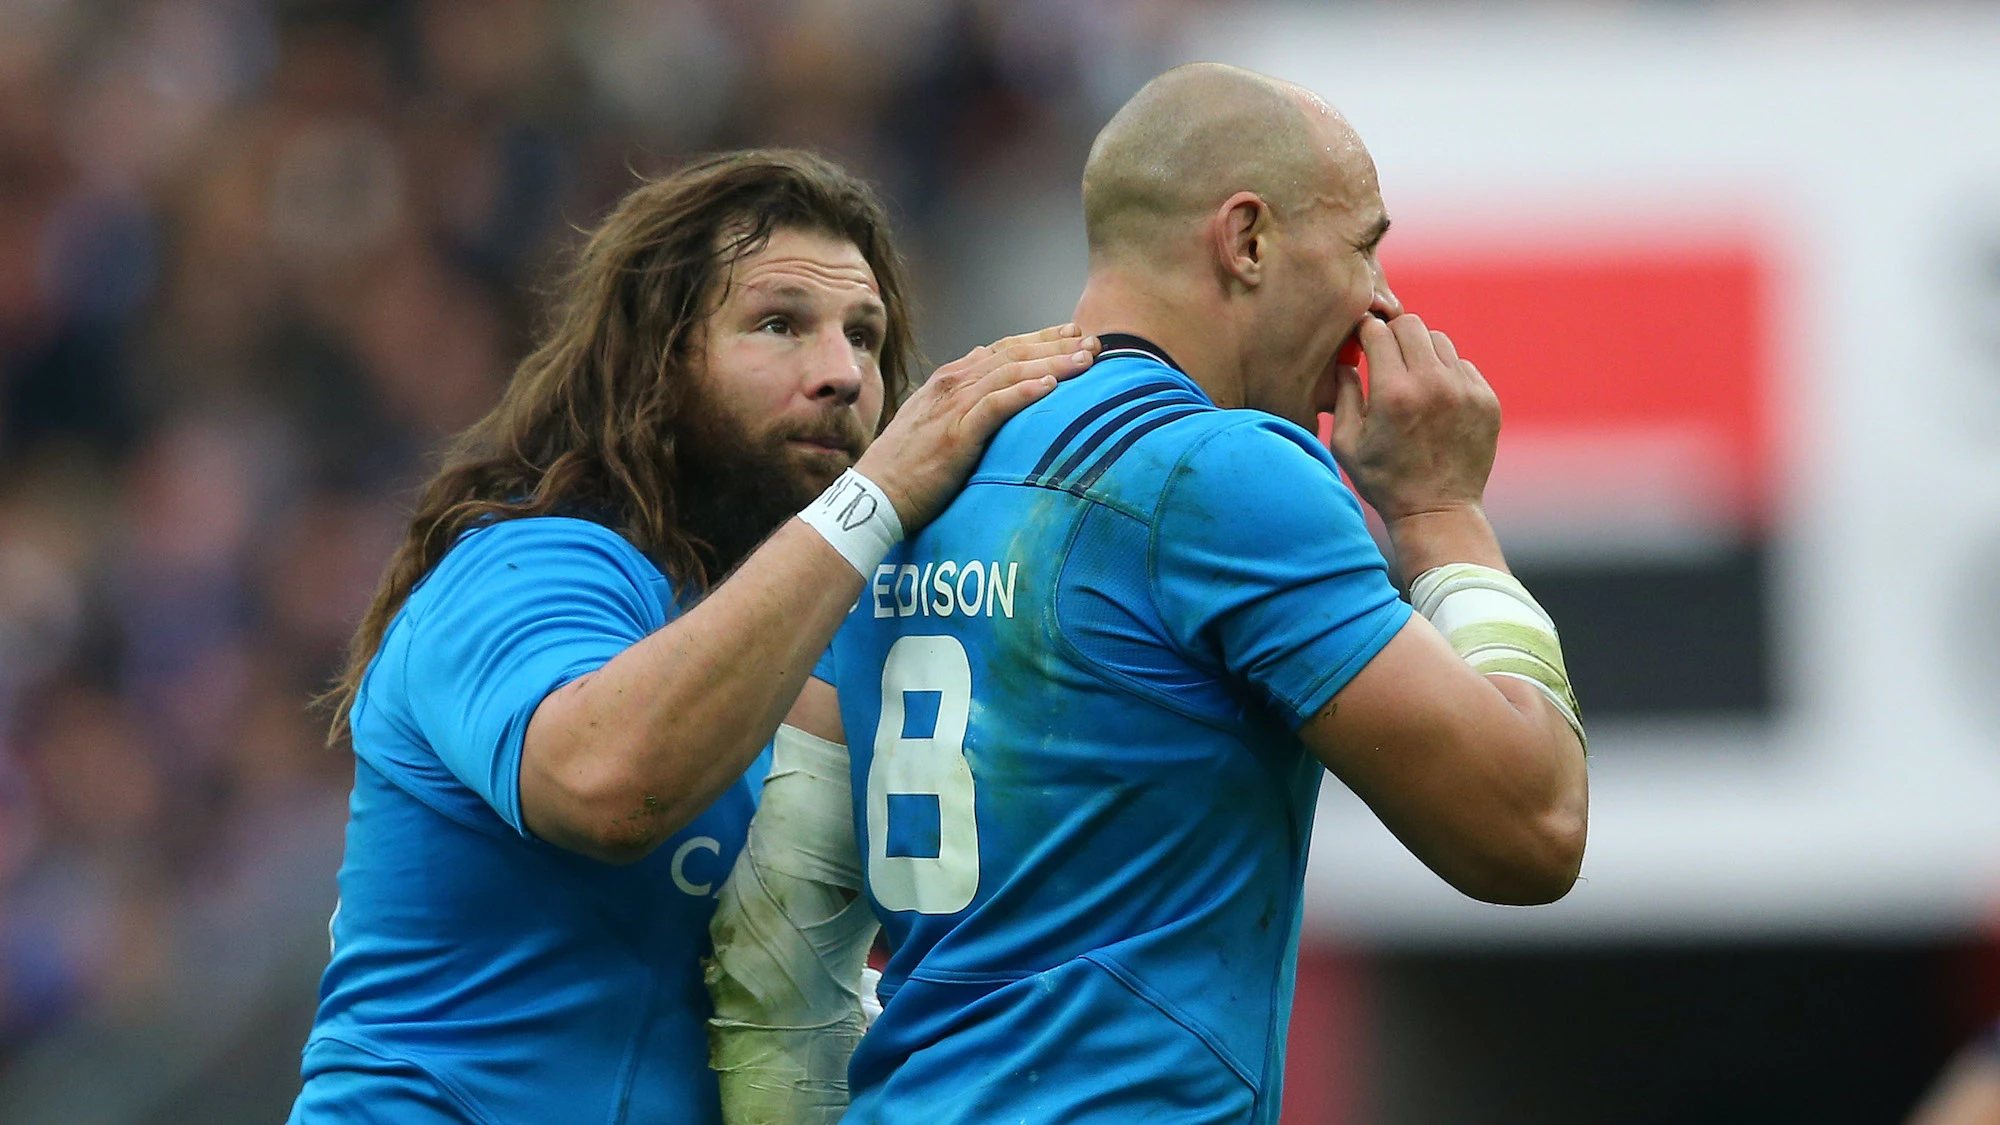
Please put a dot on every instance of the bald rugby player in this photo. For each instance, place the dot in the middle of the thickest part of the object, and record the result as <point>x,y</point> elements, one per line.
<point>1088,707</point>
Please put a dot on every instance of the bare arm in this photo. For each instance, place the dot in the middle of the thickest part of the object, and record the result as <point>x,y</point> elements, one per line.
<point>817,712</point>
<point>1480,776</point>
<point>618,760</point>
<point>622,758</point>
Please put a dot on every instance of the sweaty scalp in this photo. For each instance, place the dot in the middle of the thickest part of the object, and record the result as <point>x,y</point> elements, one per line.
<point>1190,139</point>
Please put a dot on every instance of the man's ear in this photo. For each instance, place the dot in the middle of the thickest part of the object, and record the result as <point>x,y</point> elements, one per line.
<point>1240,237</point>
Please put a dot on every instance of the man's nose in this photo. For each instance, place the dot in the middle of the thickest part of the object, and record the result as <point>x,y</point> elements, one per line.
<point>1385,303</point>
<point>833,372</point>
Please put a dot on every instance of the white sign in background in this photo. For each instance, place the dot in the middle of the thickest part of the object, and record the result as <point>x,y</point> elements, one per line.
<point>1863,146</point>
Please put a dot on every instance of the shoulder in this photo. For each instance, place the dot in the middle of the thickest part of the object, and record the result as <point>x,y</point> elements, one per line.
<point>1253,445</point>
<point>1252,463</point>
<point>1248,483</point>
<point>1071,439</point>
<point>521,565</point>
<point>516,594</point>
<point>538,549</point>
<point>546,537</point>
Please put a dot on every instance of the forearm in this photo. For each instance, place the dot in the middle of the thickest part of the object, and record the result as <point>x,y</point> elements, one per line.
<point>1489,787</point>
<point>1489,791</point>
<point>1525,781</point>
<point>1540,776</point>
<point>620,759</point>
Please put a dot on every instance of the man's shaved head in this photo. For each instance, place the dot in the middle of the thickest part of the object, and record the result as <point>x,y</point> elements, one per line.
<point>1235,219</point>
<point>1198,134</point>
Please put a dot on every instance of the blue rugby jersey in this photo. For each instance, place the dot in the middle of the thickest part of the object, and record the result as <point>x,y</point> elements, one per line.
<point>479,974</point>
<point>1071,705</point>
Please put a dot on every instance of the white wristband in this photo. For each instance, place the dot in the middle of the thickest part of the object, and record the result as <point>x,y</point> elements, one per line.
<point>855,516</point>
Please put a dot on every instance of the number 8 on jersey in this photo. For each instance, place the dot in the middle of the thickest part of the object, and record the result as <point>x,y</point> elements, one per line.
<point>923,843</point>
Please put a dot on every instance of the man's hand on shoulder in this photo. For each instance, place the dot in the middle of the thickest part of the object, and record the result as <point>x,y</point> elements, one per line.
<point>925,454</point>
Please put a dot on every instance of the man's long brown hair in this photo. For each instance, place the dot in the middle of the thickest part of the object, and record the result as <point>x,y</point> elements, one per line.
<point>587,424</point>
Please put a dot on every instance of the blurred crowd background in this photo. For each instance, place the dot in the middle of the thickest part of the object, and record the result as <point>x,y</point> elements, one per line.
<point>258,257</point>
<point>256,260</point>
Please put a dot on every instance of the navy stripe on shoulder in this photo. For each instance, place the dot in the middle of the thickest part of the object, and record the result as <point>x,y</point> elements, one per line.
<point>1131,436</point>
<point>1093,414</point>
<point>1089,445</point>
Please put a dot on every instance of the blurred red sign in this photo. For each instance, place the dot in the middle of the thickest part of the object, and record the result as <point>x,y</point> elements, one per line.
<point>1627,375</point>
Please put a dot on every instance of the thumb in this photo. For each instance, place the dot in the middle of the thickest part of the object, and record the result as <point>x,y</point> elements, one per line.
<point>1350,411</point>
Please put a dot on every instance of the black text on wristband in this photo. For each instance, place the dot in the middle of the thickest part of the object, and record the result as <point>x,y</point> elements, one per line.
<point>854,516</point>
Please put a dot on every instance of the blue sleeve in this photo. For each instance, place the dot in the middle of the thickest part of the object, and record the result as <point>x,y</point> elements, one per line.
<point>1262,561</point>
<point>824,669</point>
<point>513,612</point>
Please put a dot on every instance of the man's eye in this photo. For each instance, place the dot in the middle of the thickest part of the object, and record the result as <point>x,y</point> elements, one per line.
<point>863,339</point>
<point>777,324</point>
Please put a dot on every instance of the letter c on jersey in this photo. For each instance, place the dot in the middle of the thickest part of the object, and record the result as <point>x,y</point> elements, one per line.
<point>678,867</point>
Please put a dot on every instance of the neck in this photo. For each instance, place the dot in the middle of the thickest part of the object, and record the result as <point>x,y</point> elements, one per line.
<point>1115,300</point>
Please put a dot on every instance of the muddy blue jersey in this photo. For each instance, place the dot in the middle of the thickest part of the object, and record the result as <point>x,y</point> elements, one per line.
<point>1071,704</point>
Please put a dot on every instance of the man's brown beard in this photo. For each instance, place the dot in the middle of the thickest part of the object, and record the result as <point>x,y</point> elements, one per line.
<point>736,488</point>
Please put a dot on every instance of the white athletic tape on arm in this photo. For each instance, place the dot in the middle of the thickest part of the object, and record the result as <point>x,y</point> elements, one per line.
<point>1496,626</point>
<point>791,936</point>
<point>855,516</point>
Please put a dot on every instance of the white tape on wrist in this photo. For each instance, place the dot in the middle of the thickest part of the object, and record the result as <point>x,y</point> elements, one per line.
<point>855,516</point>
<point>1495,625</point>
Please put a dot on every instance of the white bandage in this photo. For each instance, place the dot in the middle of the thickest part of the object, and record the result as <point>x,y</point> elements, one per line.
<point>792,934</point>
<point>1496,626</point>
<point>855,515</point>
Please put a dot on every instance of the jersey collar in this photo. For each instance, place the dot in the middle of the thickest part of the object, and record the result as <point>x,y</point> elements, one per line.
<point>1124,345</point>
